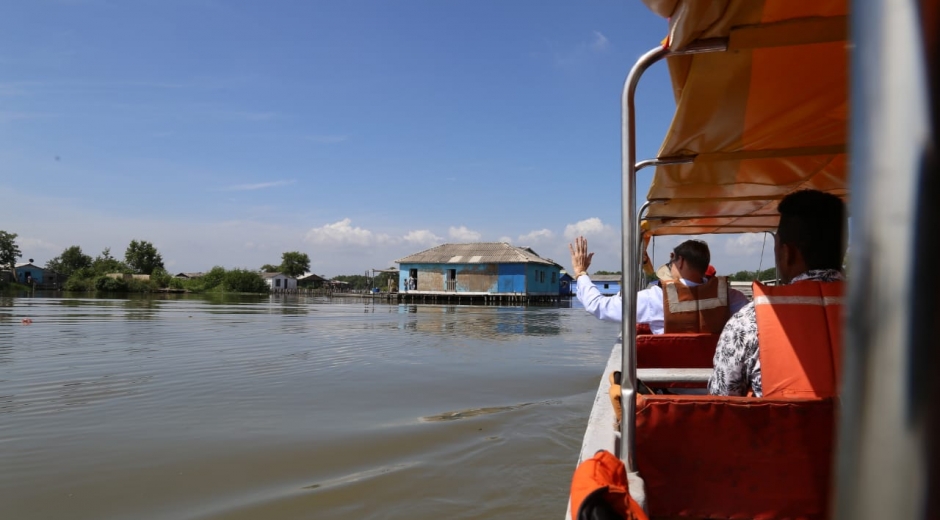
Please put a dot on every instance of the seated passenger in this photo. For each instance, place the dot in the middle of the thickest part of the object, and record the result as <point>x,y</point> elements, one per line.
<point>787,342</point>
<point>695,303</point>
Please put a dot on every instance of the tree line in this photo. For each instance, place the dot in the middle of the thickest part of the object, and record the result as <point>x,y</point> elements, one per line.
<point>81,272</point>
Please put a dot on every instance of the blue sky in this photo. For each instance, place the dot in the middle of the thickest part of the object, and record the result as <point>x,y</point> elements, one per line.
<point>228,132</point>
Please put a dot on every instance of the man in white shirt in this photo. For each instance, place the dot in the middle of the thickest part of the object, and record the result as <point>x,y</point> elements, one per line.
<point>688,263</point>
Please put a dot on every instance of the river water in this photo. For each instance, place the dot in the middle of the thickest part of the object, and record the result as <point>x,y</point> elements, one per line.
<point>290,407</point>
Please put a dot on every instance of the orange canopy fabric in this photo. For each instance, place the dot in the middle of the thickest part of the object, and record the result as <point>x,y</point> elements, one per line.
<point>762,119</point>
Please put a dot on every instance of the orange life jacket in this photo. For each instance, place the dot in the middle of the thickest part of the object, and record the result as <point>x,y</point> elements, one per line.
<point>703,308</point>
<point>799,330</point>
<point>599,491</point>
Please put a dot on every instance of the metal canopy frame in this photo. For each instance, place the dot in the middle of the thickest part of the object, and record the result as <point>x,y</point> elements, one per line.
<point>631,235</point>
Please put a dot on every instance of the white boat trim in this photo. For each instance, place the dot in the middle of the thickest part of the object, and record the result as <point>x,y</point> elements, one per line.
<point>674,375</point>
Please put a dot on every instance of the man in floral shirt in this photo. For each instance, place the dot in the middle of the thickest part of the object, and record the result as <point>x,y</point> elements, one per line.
<point>808,245</point>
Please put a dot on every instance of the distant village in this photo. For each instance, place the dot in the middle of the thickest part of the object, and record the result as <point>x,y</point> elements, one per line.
<point>483,272</point>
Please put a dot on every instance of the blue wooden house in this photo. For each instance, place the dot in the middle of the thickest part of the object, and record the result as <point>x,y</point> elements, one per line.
<point>567,285</point>
<point>607,284</point>
<point>479,269</point>
<point>29,274</point>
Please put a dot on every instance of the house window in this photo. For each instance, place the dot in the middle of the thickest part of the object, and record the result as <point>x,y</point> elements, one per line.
<point>277,282</point>
<point>554,277</point>
<point>606,286</point>
<point>542,276</point>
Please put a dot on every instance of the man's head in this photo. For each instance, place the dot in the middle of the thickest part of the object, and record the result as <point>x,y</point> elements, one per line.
<point>810,234</point>
<point>690,260</point>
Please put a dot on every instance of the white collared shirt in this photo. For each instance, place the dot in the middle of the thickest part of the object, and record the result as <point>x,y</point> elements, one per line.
<point>649,303</point>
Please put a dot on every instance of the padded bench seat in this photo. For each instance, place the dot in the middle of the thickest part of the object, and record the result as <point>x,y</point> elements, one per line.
<point>735,457</point>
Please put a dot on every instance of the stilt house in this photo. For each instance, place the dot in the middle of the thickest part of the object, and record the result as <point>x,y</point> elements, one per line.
<point>486,268</point>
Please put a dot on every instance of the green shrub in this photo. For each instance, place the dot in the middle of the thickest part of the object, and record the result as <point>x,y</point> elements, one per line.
<point>141,286</point>
<point>107,284</point>
<point>76,283</point>
<point>213,278</point>
<point>243,280</point>
<point>160,277</point>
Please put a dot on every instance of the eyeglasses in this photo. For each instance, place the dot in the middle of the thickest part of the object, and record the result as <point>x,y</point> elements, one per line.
<point>673,258</point>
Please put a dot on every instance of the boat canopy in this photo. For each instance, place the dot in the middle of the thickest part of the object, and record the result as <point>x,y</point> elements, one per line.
<point>765,118</point>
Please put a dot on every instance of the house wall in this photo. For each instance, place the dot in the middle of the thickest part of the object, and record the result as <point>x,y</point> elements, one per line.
<point>542,279</point>
<point>482,278</point>
<point>37,274</point>
<point>607,288</point>
<point>286,282</point>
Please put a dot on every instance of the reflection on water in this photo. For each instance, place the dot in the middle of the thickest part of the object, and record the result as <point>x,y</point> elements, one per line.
<point>227,406</point>
<point>490,322</point>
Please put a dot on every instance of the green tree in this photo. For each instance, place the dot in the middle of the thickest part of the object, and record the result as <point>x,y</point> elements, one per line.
<point>268,268</point>
<point>747,276</point>
<point>160,277</point>
<point>143,257</point>
<point>70,261</point>
<point>214,277</point>
<point>294,263</point>
<point>243,280</point>
<point>357,282</point>
<point>9,251</point>
<point>382,280</point>
<point>105,263</point>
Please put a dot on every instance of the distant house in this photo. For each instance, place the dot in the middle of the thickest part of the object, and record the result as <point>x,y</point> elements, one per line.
<point>607,284</point>
<point>279,281</point>
<point>189,276</point>
<point>312,281</point>
<point>567,285</point>
<point>494,268</point>
<point>29,274</point>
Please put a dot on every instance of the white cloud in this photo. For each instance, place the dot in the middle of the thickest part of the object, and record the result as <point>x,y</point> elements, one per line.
<point>535,237</point>
<point>327,139</point>
<point>587,227</point>
<point>508,240</point>
<point>31,246</point>
<point>747,244</point>
<point>581,52</point>
<point>462,234</point>
<point>422,237</point>
<point>341,232</point>
<point>257,186</point>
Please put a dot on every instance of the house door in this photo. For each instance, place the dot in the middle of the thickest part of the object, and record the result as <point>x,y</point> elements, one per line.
<point>412,279</point>
<point>451,280</point>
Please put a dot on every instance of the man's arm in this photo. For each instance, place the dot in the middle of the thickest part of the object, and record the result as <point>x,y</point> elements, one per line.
<point>608,308</point>
<point>736,348</point>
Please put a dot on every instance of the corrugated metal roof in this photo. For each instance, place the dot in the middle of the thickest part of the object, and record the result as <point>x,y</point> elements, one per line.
<point>478,252</point>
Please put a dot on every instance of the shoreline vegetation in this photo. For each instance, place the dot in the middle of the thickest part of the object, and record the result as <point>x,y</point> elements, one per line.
<point>217,280</point>
<point>142,271</point>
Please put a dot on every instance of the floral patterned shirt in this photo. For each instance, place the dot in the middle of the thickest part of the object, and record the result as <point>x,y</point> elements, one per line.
<point>737,357</point>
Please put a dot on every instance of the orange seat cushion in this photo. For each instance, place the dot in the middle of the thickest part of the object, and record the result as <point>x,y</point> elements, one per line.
<point>735,457</point>
<point>676,350</point>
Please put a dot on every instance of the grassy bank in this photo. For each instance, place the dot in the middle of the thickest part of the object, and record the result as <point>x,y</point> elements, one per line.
<point>10,288</point>
<point>218,280</point>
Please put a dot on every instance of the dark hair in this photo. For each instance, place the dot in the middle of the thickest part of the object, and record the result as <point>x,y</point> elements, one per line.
<point>814,223</point>
<point>695,253</point>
